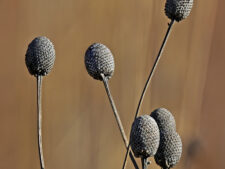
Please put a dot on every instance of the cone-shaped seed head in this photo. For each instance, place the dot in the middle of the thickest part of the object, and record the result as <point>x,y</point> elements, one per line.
<point>178,9</point>
<point>99,59</point>
<point>40,56</point>
<point>144,137</point>
<point>164,119</point>
<point>169,151</point>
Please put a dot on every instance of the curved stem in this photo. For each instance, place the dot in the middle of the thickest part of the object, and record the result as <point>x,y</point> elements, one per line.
<point>39,123</point>
<point>149,78</point>
<point>153,67</point>
<point>144,162</point>
<point>119,123</point>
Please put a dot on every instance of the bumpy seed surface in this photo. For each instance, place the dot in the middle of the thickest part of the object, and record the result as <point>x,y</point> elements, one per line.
<point>99,59</point>
<point>144,137</point>
<point>164,119</point>
<point>169,151</point>
<point>178,9</point>
<point>40,56</point>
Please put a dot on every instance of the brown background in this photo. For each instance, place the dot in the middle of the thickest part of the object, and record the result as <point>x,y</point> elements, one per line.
<point>79,127</point>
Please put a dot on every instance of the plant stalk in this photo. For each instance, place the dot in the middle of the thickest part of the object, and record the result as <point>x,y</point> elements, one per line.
<point>39,122</point>
<point>149,80</point>
<point>144,162</point>
<point>119,123</point>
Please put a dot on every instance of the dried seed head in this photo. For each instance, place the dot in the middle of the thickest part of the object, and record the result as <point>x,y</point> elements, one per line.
<point>144,136</point>
<point>40,56</point>
<point>99,60</point>
<point>164,119</point>
<point>169,151</point>
<point>178,9</point>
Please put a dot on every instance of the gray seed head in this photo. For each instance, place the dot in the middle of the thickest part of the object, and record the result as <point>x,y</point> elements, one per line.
<point>178,9</point>
<point>164,119</point>
<point>40,56</point>
<point>99,60</point>
<point>169,151</point>
<point>144,137</point>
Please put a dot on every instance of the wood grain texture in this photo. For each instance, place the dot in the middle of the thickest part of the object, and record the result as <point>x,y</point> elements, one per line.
<point>79,129</point>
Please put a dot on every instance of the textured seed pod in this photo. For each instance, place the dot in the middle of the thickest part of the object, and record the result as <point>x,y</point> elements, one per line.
<point>99,60</point>
<point>144,137</point>
<point>40,56</point>
<point>164,119</point>
<point>169,151</point>
<point>178,9</point>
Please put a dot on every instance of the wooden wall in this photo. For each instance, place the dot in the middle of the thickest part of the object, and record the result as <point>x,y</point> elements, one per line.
<point>79,127</point>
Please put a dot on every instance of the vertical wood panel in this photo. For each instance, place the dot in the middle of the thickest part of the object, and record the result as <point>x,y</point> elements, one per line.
<point>79,127</point>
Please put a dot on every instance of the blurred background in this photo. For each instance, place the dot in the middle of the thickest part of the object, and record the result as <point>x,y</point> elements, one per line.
<point>79,129</point>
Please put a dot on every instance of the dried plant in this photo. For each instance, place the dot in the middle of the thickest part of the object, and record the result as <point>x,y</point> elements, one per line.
<point>176,10</point>
<point>144,138</point>
<point>100,65</point>
<point>151,135</point>
<point>164,119</point>
<point>40,57</point>
<point>169,151</point>
<point>170,146</point>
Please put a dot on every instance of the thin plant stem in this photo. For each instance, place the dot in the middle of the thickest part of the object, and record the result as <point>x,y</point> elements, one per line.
<point>149,80</point>
<point>153,67</point>
<point>119,123</point>
<point>166,168</point>
<point>39,123</point>
<point>133,160</point>
<point>144,162</point>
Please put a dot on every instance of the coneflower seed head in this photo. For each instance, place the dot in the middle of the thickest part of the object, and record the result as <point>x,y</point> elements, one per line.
<point>169,151</point>
<point>164,119</point>
<point>99,60</point>
<point>40,56</point>
<point>178,9</point>
<point>144,136</point>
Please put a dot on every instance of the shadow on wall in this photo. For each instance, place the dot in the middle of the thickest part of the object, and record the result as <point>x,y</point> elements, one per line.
<point>79,129</point>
